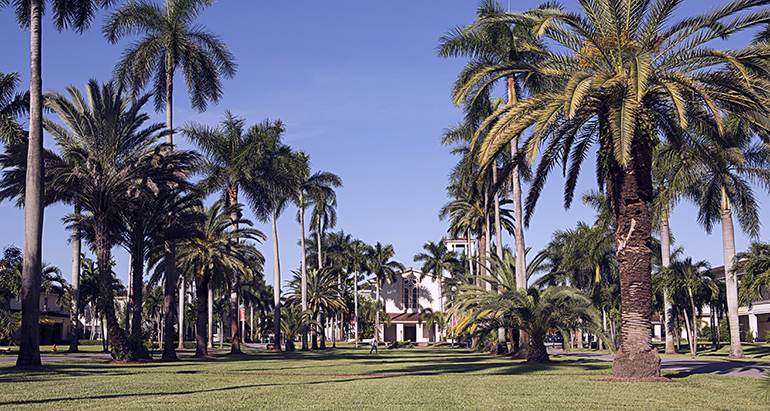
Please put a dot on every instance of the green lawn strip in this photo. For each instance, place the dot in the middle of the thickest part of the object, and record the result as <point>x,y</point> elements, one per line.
<point>350,379</point>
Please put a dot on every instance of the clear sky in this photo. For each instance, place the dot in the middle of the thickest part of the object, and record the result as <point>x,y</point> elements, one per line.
<point>359,88</point>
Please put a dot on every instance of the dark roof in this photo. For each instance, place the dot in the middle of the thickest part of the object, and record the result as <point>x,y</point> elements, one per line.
<point>404,317</point>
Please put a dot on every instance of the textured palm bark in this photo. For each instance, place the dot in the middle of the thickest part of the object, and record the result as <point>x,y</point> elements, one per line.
<point>210,315</point>
<point>537,352</point>
<point>180,315</point>
<point>29,342</point>
<point>235,342</point>
<point>137,294</point>
<point>303,265</point>
<point>277,282</point>
<point>630,193</point>
<point>731,283</point>
<point>115,335</point>
<point>201,322</point>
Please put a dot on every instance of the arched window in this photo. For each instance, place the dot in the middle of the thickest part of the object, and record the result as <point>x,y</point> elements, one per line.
<point>409,293</point>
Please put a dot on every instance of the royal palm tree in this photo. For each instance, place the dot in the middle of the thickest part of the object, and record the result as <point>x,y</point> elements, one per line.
<point>621,82</point>
<point>312,188</point>
<point>384,270</point>
<point>229,150</point>
<point>12,105</point>
<point>213,251</point>
<point>357,263</point>
<point>273,181</point>
<point>29,14</point>
<point>112,165</point>
<point>723,186</point>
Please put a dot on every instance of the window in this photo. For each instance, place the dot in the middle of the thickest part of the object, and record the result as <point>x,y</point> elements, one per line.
<point>409,293</point>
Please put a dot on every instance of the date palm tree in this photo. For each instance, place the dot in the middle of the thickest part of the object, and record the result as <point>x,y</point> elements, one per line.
<point>29,14</point>
<point>623,81</point>
<point>112,165</point>
<point>214,250</point>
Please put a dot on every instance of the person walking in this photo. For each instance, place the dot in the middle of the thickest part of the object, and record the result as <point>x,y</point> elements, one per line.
<point>374,346</point>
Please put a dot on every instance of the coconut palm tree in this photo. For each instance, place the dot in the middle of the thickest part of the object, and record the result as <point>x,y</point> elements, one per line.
<point>215,250</point>
<point>12,105</point>
<point>384,270</point>
<point>621,83</point>
<point>112,166</point>
<point>273,181</point>
<point>29,14</point>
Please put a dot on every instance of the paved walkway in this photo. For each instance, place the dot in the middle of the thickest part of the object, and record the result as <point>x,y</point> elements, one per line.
<point>691,365</point>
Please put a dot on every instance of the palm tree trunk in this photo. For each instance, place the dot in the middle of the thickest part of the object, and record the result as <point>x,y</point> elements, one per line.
<point>169,302</point>
<point>75,297</point>
<point>180,315</point>
<point>201,320</point>
<point>731,283</point>
<point>318,242</point>
<point>665,252</point>
<point>303,268</point>
<point>630,192</point>
<point>276,284</point>
<point>137,263</point>
<point>322,328</point>
<point>355,305</point>
<point>210,323</point>
<point>694,329</point>
<point>688,330</point>
<point>29,347</point>
<point>502,347</point>
<point>377,315</point>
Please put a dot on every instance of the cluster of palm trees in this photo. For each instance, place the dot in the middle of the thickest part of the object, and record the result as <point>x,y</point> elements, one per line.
<point>625,77</point>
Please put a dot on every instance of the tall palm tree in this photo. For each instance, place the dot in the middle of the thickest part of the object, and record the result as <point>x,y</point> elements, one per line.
<point>723,185</point>
<point>171,41</point>
<point>29,14</point>
<point>323,294</point>
<point>273,181</point>
<point>620,82</point>
<point>12,105</point>
<point>358,263</point>
<point>312,187</point>
<point>384,270</point>
<point>229,151</point>
<point>112,165</point>
<point>215,250</point>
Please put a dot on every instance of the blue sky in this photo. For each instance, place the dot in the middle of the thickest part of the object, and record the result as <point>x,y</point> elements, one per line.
<point>359,88</point>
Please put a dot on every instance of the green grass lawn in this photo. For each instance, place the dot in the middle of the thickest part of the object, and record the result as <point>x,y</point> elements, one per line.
<point>350,379</point>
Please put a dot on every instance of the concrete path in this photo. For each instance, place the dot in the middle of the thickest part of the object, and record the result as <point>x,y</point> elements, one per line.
<point>691,365</point>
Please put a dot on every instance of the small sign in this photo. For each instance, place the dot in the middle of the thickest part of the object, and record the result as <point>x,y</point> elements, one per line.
<point>243,313</point>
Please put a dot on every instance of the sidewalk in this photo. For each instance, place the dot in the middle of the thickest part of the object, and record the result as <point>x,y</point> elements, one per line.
<point>686,364</point>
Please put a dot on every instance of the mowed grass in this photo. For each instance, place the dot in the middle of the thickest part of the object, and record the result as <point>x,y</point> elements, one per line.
<point>348,379</point>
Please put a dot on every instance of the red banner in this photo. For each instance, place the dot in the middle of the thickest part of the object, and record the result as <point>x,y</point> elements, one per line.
<point>243,313</point>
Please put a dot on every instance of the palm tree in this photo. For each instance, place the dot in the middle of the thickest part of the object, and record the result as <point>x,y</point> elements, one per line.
<point>616,88</point>
<point>172,41</point>
<point>295,321</point>
<point>12,105</point>
<point>312,188</point>
<point>273,181</point>
<point>433,320</point>
<point>111,167</point>
<point>723,185</point>
<point>358,263</point>
<point>69,14</point>
<point>215,250</point>
<point>556,309</point>
<point>384,270</point>
<point>153,309</point>
<point>323,295</point>
<point>690,278</point>
<point>755,265</point>
<point>229,152</point>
